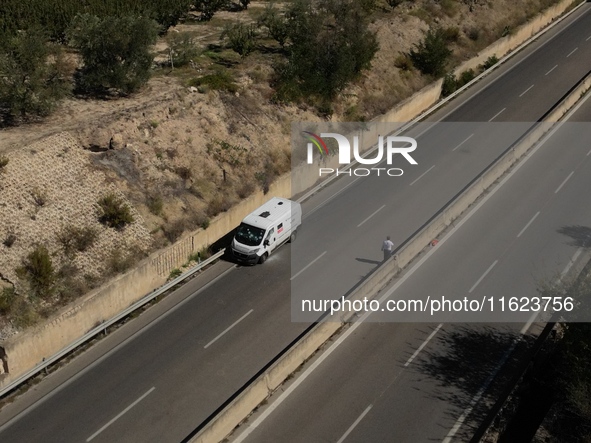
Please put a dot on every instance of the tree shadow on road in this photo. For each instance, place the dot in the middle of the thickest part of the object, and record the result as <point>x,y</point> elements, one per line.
<point>471,365</point>
<point>580,235</point>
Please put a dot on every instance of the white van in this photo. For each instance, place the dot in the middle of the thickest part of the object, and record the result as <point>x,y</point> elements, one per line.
<point>265,229</point>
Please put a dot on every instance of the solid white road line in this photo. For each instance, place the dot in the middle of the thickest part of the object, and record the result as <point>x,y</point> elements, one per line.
<point>570,263</point>
<point>483,275</point>
<point>463,142</point>
<point>551,69</point>
<point>227,329</point>
<point>571,52</point>
<point>120,414</point>
<point>374,213</point>
<point>309,264</point>
<point>524,92</point>
<point>427,340</point>
<point>355,423</point>
<point>421,176</point>
<point>528,223</point>
<point>564,182</point>
<point>497,114</point>
<point>450,435</point>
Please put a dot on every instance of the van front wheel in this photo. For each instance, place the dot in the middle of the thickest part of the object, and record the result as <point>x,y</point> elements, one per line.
<point>263,258</point>
<point>293,236</point>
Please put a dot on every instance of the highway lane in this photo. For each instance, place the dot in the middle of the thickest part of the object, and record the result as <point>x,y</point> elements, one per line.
<point>177,346</point>
<point>190,381</point>
<point>406,382</point>
<point>448,158</point>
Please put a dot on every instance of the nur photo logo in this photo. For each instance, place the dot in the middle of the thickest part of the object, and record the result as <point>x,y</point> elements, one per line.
<point>385,149</point>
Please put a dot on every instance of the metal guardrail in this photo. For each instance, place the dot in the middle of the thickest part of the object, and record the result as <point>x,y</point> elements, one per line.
<point>100,328</point>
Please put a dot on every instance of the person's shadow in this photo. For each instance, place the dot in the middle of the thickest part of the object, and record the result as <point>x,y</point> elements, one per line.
<point>371,262</point>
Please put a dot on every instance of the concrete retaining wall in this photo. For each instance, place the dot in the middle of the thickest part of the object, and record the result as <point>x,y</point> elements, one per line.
<point>27,349</point>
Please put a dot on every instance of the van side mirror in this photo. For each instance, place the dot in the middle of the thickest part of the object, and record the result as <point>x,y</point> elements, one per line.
<point>266,242</point>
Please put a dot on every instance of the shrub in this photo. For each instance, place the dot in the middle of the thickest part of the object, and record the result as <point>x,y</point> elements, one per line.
<point>203,254</point>
<point>219,80</point>
<point>174,274</point>
<point>39,196</point>
<point>9,239</point>
<point>431,54</point>
<point>33,77</point>
<point>7,300</point>
<point>489,63</point>
<point>242,38</point>
<point>155,204</point>
<point>450,84</point>
<point>451,34</point>
<point>466,77</point>
<point>474,33</point>
<point>118,263</point>
<point>37,270</point>
<point>75,239</point>
<point>403,62</point>
<point>183,48</point>
<point>224,153</point>
<point>115,52</point>
<point>113,212</point>
<point>183,172</point>
<point>3,162</point>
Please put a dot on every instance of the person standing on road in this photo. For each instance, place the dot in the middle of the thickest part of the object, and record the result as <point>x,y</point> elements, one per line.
<point>387,248</point>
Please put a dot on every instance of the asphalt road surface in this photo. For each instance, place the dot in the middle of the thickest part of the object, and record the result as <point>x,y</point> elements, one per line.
<point>168,374</point>
<point>431,382</point>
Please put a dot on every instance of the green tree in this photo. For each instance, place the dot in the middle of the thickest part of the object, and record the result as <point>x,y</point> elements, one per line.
<point>33,77</point>
<point>115,52</point>
<point>208,8</point>
<point>37,270</point>
<point>242,38</point>
<point>431,54</point>
<point>330,47</point>
<point>275,23</point>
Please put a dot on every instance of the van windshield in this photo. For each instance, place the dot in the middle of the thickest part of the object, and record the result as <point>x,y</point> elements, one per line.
<point>249,235</point>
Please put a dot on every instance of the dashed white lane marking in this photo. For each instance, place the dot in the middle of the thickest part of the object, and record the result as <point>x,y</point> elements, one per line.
<point>309,264</point>
<point>422,175</point>
<point>121,414</point>
<point>528,223</point>
<point>227,329</point>
<point>427,340</point>
<point>497,114</point>
<point>374,213</point>
<point>472,135</point>
<point>571,52</point>
<point>564,182</point>
<point>524,92</point>
<point>483,275</point>
<point>355,423</point>
<point>551,69</point>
